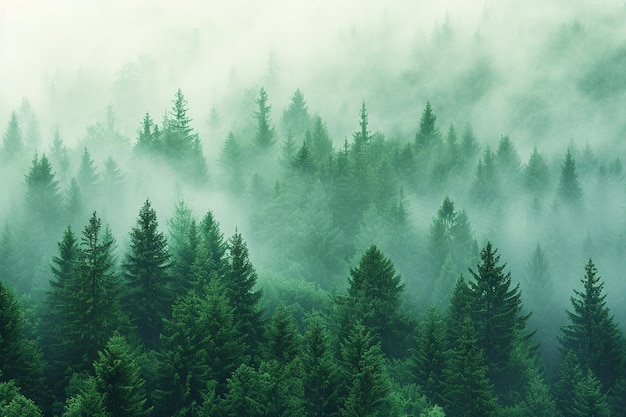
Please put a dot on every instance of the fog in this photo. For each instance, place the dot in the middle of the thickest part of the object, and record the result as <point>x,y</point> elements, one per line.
<point>549,74</point>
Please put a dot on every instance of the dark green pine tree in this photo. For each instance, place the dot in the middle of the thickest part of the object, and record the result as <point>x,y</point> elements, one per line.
<point>248,394</point>
<point>497,316</point>
<point>13,403</point>
<point>564,388</point>
<point>588,399</point>
<point>20,359</point>
<point>368,386</point>
<point>303,162</point>
<point>374,297</point>
<point>363,136</point>
<point>592,333</point>
<point>428,134</point>
<point>264,138</point>
<point>88,401</point>
<point>94,309</point>
<point>538,400</point>
<point>12,262</point>
<point>440,237</point>
<point>468,390</point>
<point>59,346</point>
<point>239,282</point>
<point>430,357</point>
<point>118,379</point>
<point>147,297</point>
<point>569,190</point>
<point>320,372</point>
<point>183,245</point>
<point>460,307</point>
<point>147,142</point>
<point>210,261</point>
<point>296,117</point>
<point>536,174</point>
<point>13,142</point>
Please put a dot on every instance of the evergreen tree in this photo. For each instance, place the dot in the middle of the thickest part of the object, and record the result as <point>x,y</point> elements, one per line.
<point>284,343</point>
<point>210,261</point>
<point>508,160</point>
<point>428,134</point>
<point>564,389</point>
<point>363,136</point>
<point>264,138</point>
<point>468,390</point>
<point>497,315</point>
<point>588,399</point>
<point>469,145</point>
<point>374,297</point>
<point>13,142</point>
<point>147,298</point>
<point>429,359</point>
<point>296,117</point>
<point>239,283</point>
<point>368,385</point>
<point>320,142</point>
<point>592,333</point>
<point>118,379</point>
<point>460,307</point>
<point>538,400</point>
<point>59,156</point>
<point>14,404</point>
<point>183,244</point>
<point>74,204</point>
<point>248,393</point>
<point>87,402</point>
<point>20,359</point>
<point>12,262</point>
<point>320,376</point>
<point>486,186</point>
<point>43,200</point>
<point>87,177</point>
<point>147,141</point>
<point>569,190</point>
<point>536,174</point>
<point>232,163</point>
<point>303,162</point>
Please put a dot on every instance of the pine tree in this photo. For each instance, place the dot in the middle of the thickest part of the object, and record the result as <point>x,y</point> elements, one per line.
<point>264,138</point>
<point>183,245</point>
<point>496,314</point>
<point>592,333</point>
<point>13,142</point>
<point>588,399</point>
<point>564,389</point>
<point>320,143</point>
<point>363,136</point>
<point>284,343</point>
<point>536,174</point>
<point>87,402</point>
<point>12,262</point>
<point>368,386</point>
<point>429,359</point>
<point>374,297</point>
<point>147,297</point>
<point>43,200</point>
<point>296,117</point>
<point>320,376</point>
<point>147,141</point>
<point>232,163</point>
<point>538,400</point>
<point>428,134</point>
<point>118,379</point>
<point>239,283</point>
<point>569,190</point>
<point>303,162</point>
<point>13,403</point>
<point>20,359</point>
<point>59,156</point>
<point>248,393</point>
<point>468,390</point>
<point>486,186</point>
<point>210,261</point>
<point>88,177</point>
<point>508,160</point>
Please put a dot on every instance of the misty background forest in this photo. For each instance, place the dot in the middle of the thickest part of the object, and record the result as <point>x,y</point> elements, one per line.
<point>313,210</point>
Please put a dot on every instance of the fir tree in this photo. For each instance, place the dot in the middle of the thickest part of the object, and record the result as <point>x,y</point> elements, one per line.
<point>296,117</point>
<point>320,142</point>
<point>13,142</point>
<point>210,260</point>
<point>147,298</point>
<point>43,199</point>
<point>569,191</point>
<point>428,134</point>
<point>87,402</point>
<point>264,138</point>
<point>592,333</point>
<point>497,308</point>
<point>183,245</point>
<point>87,177</point>
<point>564,389</point>
<point>13,403</point>
<point>588,399</point>
<point>118,379</point>
<point>536,174</point>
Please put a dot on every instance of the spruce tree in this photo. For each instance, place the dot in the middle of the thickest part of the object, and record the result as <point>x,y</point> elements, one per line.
<point>536,174</point>
<point>569,190</point>
<point>588,399</point>
<point>210,259</point>
<point>296,117</point>
<point>239,283</point>
<point>264,138</point>
<point>118,379</point>
<point>14,404</point>
<point>147,297</point>
<point>497,315</point>
<point>183,245</point>
<point>468,390</point>
<point>368,386</point>
<point>564,388</point>
<point>428,134</point>
<point>87,402</point>
<point>87,176</point>
<point>592,334</point>
<point>13,142</point>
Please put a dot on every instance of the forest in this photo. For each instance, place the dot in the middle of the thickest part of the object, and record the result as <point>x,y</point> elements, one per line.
<point>444,236</point>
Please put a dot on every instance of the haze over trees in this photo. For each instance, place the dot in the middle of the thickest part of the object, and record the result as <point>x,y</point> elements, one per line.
<point>438,235</point>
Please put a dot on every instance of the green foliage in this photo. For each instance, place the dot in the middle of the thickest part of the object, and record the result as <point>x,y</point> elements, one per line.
<point>119,381</point>
<point>183,244</point>
<point>468,390</point>
<point>264,138</point>
<point>147,297</point>
<point>588,399</point>
<point>592,333</point>
<point>368,386</point>
<point>296,118</point>
<point>428,134</point>
<point>569,190</point>
<point>88,401</point>
<point>14,404</point>
<point>210,260</point>
<point>536,174</point>
<point>13,142</point>
<point>497,315</point>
